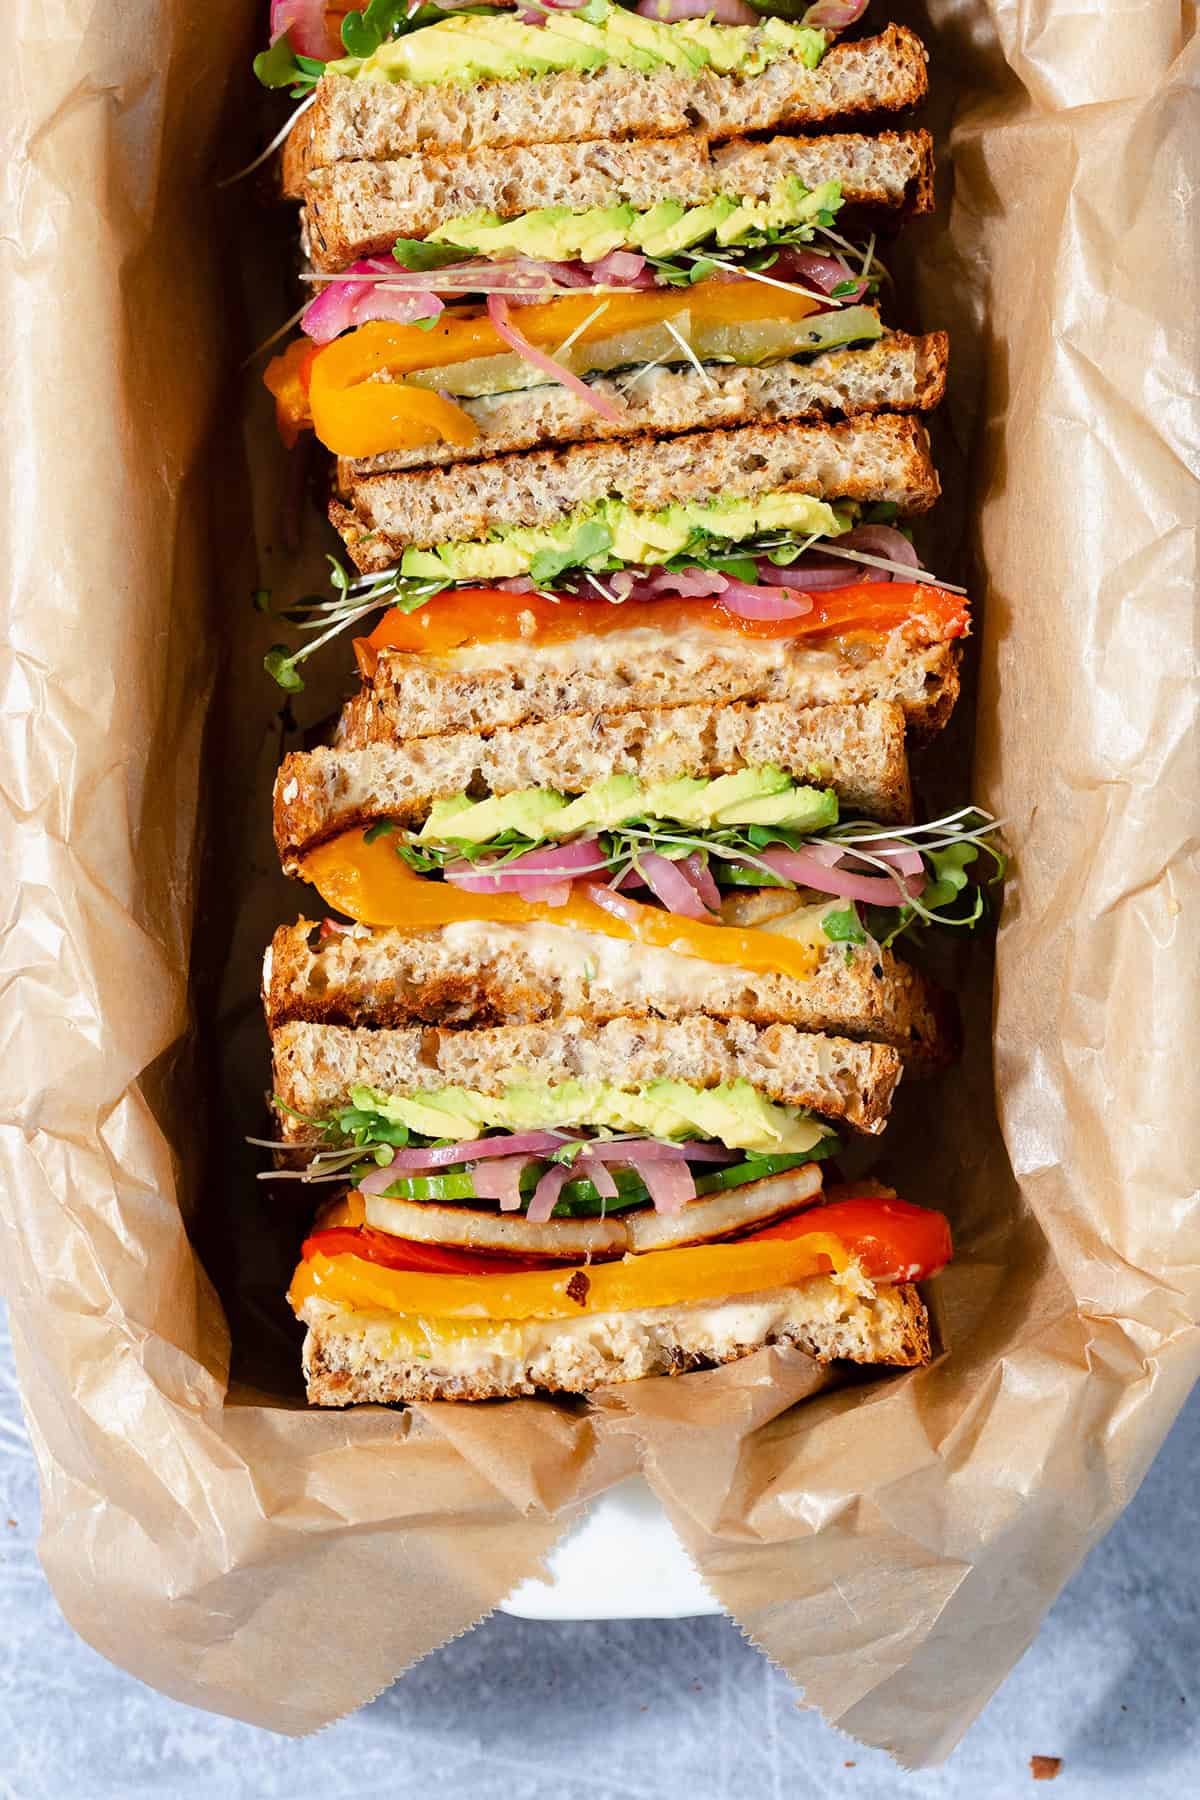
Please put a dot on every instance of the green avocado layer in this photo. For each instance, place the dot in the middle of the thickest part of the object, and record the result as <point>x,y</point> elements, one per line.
<point>557,234</point>
<point>609,534</point>
<point>765,796</point>
<point>734,1114</point>
<point>468,48</point>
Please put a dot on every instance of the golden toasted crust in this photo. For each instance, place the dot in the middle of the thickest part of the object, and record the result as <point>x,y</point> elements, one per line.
<point>316,1066</point>
<point>877,457</point>
<point>895,374</point>
<point>359,208</point>
<point>376,120</point>
<point>479,975</point>
<point>348,1362</point>
<point>856,750</point>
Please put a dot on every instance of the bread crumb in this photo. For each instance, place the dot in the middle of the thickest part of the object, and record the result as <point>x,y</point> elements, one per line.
<point>1044,1768</point>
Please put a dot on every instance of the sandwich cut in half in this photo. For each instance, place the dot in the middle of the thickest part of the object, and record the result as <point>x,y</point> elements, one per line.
<point>393,1318</point>
<point>403,78</point>
<point>646,1173</point>
<point>689,861</point>
<point>661,286</point>
<point>750,565</point>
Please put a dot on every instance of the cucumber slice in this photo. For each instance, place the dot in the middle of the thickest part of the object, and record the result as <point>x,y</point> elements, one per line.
<point>750,342</point>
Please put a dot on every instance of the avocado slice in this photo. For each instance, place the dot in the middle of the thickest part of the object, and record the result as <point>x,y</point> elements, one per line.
<point>670,226</point>
<point>797,809</point>
<point>659,40</point>
<point>530,812</point>
<point>734,1113</point>
<point>475,47</point>
<point>625,536</point>
<point>612,45</point>
<point>727,793</point>
<point>608,803</point>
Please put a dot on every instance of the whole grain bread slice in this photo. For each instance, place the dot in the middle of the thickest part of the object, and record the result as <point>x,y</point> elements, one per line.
<point>478,974</point>
<point>359,208</point>
<point>316,1066</point>
<point>857,750</point>
<point>895,374</point>
<point>375,121</point>
<point>514,683</point>
<point>351,1358</point>
<point>877,457</point>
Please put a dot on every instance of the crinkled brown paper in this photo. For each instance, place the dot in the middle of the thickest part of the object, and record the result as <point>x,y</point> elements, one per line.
<point>894,1543</point>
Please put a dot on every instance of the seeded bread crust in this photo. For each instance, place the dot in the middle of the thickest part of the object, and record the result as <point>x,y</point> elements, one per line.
<point>478,975</point>
<point>857,750</point>
<point>315,1066</point>
<point>413,696</point>
<point>376,120</point>
<point>359,208</point>
<point>349,1361</point>
<point>879,457</point>
<point>895,374</point>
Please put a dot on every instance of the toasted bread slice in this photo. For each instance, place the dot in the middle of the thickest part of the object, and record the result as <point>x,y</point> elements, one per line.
<point>897,373</point>
<point>489,686</point>
<point>351,1357</point>
<point>375,121</point>
<point>856,750</point>
<point>315,1066</point>
<point>880,457</point>
<point>481,974</point>
<point>359,208</point>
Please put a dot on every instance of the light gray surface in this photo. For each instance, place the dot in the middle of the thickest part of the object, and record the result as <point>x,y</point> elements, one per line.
<point>683,1711</point>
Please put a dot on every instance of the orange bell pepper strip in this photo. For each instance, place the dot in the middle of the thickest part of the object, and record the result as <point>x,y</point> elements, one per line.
<point>286,378</point>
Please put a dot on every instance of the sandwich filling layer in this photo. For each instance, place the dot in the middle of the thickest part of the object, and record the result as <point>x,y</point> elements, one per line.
<point>505,1322</point>
<point>611,535</point>
<point>356,391</point>
<point>354,1356</point>
<point>483,658</point>
<point>767,564</point>
<point>492,45</point>
<point>465,629</point>
<point>367,882</point>
<point>702,848</point>
<point>572,1149</point>
<point>790,214</point>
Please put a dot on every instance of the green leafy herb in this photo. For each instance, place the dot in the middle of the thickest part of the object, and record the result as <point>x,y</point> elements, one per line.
<point>367,1129</point>
<point>732,848</point>
<point>281,67</point>
<point>383,20</point>
<point>363,32</point>
<point>280,664</point>
<point>352,601</point>
<point>416,254</point>
<point>381,828</point>
<point>950,874</point>
<point>733,853</point>
<point>591,540</point>
<point>844,926</point>
<point>741,568</point>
